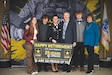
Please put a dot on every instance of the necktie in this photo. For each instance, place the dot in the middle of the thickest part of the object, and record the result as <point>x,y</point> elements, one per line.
<point>79,22</point>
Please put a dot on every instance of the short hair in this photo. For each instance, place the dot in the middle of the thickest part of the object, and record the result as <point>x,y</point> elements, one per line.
<point>55,15</point>
<point>45,16</point>
<point>79,12</point>
<point>67,12</point>
<point>90,15</point>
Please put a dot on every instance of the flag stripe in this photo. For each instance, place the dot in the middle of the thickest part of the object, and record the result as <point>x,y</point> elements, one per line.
<point>104,37</point>
<point>5,38</point>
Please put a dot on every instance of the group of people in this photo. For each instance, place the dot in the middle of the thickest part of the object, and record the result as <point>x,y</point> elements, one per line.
<point>79,32</point>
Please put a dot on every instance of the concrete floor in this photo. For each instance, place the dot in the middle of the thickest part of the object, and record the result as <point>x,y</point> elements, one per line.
<point>22,71</point>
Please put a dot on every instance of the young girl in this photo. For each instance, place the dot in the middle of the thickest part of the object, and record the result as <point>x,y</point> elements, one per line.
<point>30,35</point>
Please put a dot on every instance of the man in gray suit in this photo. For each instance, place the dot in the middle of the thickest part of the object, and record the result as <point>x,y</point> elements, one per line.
<point>68,35</point>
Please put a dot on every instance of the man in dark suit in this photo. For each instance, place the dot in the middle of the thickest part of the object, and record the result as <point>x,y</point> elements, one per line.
<point>68,35</point>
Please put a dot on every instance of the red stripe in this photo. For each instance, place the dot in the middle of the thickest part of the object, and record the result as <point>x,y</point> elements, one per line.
<point>5,37</point>
<point>104,37</point>
<point>7,33</point>
<point>3,40</point>
<point>4,46</point>
<point>8,38</point>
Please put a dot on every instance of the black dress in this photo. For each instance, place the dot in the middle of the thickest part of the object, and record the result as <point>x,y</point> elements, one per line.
<point>54,32</point>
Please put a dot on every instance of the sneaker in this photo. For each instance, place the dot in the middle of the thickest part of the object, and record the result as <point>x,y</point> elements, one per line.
<point>33,73</point>
<point>93,71</point>
<point>36,72</point>
<point>89,72</point>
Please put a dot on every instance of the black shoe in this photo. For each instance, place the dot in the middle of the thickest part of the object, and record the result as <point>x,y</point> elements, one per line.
<point>63,70</point>
<point>54,71</point>
<point>68,71</point>
<point>89,72</point>
<point>39,70</point>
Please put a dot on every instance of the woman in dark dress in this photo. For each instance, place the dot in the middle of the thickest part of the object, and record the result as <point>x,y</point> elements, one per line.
<point>54,36</point>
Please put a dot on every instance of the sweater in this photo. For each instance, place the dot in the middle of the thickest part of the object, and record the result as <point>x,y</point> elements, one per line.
<point>91,34</point>
<point>43,32</point>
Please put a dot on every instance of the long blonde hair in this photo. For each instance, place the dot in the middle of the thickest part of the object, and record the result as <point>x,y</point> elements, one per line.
<point>31,26</point>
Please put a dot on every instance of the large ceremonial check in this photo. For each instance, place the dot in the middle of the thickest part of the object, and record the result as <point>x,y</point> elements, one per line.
<point>52,53</point>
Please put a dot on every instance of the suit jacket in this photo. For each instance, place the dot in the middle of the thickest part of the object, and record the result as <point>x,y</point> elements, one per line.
<point>70,34</point>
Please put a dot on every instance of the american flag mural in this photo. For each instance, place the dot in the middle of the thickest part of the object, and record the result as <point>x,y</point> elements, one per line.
<point>5,38</point>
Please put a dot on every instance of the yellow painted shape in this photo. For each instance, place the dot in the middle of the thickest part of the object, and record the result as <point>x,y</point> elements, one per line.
<point>96,51</point>
<point>18,52</point>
